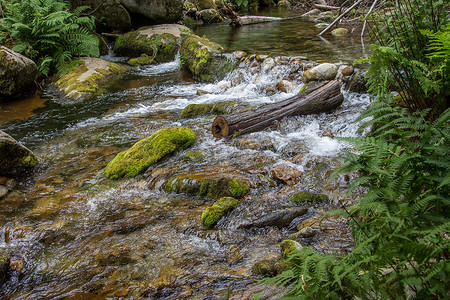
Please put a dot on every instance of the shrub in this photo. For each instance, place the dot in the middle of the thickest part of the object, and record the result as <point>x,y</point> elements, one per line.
<point>47,32</point>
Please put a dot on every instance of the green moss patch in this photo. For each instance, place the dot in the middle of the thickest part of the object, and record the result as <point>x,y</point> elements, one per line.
<point>214,213</point>
<point>288,247</point>
<point>144,59</point>
<point>148,151</point>
<point>303,197</point>
<point>194,110</point>
<point>85,79</point>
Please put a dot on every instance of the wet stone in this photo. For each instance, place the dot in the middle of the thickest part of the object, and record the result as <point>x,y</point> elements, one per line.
<point>279,219</point>
<point>286,174</point>
<point>132,223</point>
<point>4,264</point>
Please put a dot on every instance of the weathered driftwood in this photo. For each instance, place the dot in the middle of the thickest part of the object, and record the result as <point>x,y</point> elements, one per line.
<point>324,98</point>
<point>326,7</point>
<point>248,20</point>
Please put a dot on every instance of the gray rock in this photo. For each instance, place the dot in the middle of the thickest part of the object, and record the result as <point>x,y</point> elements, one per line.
<point>210,15</point>
<point>324,71</point>
<point>267,64</point>
<point>14,155</point>
<point>17,73</point>
<point>5,257</point>
<point>83,81</point>
<point>205,59</point>
<point>156,11</point>
<point>279,219</point>
<point>109,15</point>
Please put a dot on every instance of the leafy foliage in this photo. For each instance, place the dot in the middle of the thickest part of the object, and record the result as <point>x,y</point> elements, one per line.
<point>411,54</point>
<point>401,226</point>
<point>49,33</point>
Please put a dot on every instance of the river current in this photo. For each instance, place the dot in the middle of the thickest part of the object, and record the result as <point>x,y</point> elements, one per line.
<point>77,235</point>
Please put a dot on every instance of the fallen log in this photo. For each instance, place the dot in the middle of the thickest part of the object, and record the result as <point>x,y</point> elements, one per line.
<point>325,97</point>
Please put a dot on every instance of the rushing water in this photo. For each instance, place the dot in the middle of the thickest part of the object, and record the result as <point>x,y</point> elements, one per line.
<point>77,235</point>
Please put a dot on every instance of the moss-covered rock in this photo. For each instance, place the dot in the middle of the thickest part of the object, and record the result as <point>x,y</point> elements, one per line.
<point>210,188</point>
<point>194,110</point>
<point>288,247</point>
<point>109,15</point>
<point>265,267</point>
<point>144,59</point>
<point>204,59</point>
<point>214,213</point>
<point>18,73</point>
<point>303,197</point>
<point>14,155</point>
<point>210,16</point>
<point>159,41</point>
<point>85,80</point>
<point>195,155</point>
<point>339,32</point>
<point>149,151</point>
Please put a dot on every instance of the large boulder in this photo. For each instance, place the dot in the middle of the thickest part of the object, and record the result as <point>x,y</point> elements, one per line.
<point>325,71</point>
<point>85,80</point>
<point>205,59</point>
<point>149,151</point>
<point>109,15</point>
<point>14,155</point>
<point>18,73</point>
<point>159,41</point>
<point>156,11</point>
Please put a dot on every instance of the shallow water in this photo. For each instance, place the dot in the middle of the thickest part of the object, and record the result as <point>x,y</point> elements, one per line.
<point>79,234</point>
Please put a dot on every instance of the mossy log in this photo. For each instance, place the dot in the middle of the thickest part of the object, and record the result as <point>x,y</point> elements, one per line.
<point>325,97</point>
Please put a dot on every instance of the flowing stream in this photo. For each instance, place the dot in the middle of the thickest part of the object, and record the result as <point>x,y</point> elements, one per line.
<point>74,234</point>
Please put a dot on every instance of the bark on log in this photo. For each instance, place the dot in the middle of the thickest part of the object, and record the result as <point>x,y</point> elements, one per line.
<point>324,98</point>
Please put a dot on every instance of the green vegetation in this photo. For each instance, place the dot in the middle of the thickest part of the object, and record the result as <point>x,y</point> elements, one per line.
<point>401,226</point>
<point>48,32</point>
<point>149,151</point>
<point>412,55</point>
<point>214,213</point>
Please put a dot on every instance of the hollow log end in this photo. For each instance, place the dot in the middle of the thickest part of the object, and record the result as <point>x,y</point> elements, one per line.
<point>220,127</point>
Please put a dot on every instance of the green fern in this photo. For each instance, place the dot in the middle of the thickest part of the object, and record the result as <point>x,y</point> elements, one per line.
<point>401,226</point>
<point>49,33</point>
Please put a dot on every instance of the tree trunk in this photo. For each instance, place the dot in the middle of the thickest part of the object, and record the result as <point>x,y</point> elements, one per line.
<point>324,98</point>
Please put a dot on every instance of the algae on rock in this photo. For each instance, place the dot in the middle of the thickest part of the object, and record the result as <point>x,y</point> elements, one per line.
<point>214,213</point>
<point>149,151</point>
<point>204,59</point>
<point>210,188</point>
<point>302,197</point>
<point>84,80</point>
<point>194,110</point>
<point>14,155</point>
<point>159,41</point>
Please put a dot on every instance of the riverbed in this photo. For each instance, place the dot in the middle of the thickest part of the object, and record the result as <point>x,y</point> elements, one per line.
<point>77,235</point>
